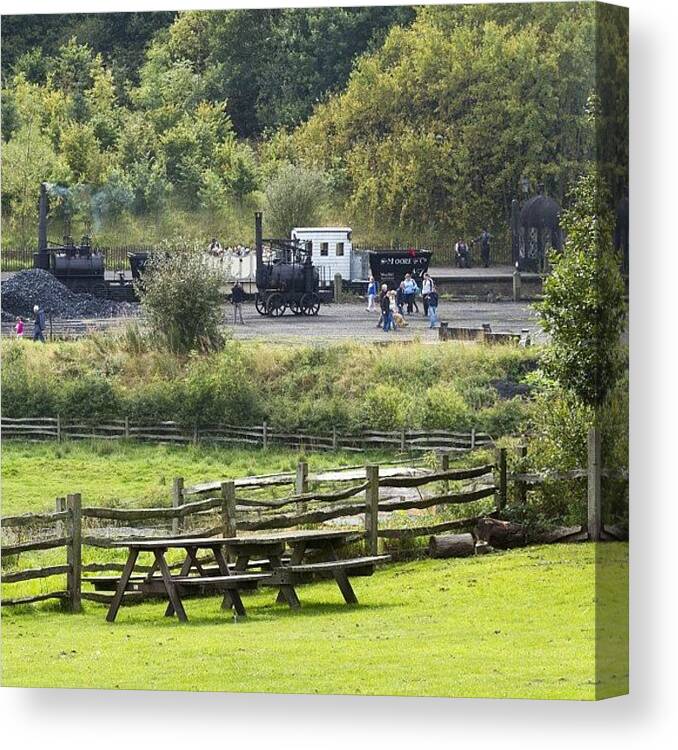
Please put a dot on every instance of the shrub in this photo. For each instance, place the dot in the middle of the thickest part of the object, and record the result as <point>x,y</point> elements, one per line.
<point>385,408</point>
<point>444,408</point>
<point>88,397</point>
<point>181,298</point>
<point>218,389</point>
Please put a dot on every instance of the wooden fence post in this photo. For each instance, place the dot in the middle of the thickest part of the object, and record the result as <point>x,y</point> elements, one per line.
<point>195,434</point>
<point>473,438</point>
<point>60,507</point>
<point>127,428</point>
<point>594,515</point>
<point>264,436</point>
<point>372,508</point>
<point>58,428</point>
<point>444,465</point>
<point>402,440</point>
<point>521,487</point>
<point>177,501</point>
<point>228,508</point>
<point>517,285</point>
<point>334,438</point>
<point>337,287</point>
<point>301,484</point>
<point>503,477</point>
<point>74,554</point>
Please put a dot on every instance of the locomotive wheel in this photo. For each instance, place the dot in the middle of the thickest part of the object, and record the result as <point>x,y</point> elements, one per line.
<point>295,307</point>
<point>310,304</point>
<point>275,305</point>
<point>260,304</point>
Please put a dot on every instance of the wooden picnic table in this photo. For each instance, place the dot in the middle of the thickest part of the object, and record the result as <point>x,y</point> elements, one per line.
<point>159,548</point>
<point>271,546</point>
<point>268,548</point>
<point>300,542</point>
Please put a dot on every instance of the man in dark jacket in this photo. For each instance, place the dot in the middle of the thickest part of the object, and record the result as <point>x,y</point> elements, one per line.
<point>484,240</point>
<point>237,297</point>
<point>38,324</point>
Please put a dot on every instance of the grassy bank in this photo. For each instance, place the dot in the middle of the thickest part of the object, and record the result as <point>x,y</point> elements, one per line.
<point>518,624</point>
<point>350,386</point>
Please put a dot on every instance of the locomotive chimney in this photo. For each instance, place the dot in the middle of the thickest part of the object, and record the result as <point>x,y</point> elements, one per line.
<point>42,225</point>
<point>41,258</point>
<point>259,237</point>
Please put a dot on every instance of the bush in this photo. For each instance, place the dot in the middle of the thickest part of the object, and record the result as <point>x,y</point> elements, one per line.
<point>88,397</point>
<point>218,389</point>
<point>181,298</point>
<point>445,409</point>
<point>386,408</point>
<point>294,198</point>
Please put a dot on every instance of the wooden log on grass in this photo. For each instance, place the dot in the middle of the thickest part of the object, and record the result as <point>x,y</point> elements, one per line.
<point>501,534</point>
<point>452,545</point>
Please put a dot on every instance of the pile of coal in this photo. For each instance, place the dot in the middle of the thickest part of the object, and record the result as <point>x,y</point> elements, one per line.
<point>37,287</point>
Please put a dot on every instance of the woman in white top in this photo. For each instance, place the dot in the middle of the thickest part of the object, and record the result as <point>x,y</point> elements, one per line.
<point>426,289</point>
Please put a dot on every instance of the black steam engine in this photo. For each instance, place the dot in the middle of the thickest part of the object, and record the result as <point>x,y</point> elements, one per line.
<point>80,267</point>
<point>287,278</point>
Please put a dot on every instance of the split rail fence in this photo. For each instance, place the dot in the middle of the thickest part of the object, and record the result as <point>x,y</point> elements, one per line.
<point>365,497</point>
<point>262,435</point>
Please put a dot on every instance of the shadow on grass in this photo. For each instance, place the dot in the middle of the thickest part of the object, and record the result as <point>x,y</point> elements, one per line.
<point>257,614</point>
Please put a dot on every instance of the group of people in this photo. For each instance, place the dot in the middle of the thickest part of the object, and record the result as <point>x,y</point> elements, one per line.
<point>39,325</point>
<point>462,253</point>
<point>395,304</point>
<point>215,249</point>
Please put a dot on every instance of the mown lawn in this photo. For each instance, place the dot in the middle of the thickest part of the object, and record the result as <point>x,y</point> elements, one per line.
<point>515,624</point>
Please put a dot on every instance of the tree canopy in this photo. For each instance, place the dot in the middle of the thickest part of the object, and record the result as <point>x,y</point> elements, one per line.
<point>418,121</point>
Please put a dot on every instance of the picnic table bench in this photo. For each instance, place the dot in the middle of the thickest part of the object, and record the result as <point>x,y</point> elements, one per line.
<point>231,579</point>
<point>292,575</point>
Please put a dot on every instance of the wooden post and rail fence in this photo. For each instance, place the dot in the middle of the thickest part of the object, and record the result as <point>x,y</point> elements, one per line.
<point>221,509</point>
<point>263,435</point>
<point>218,509</point>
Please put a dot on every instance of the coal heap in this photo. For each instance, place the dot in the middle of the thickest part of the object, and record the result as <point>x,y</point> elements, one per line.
<point>37,287</point>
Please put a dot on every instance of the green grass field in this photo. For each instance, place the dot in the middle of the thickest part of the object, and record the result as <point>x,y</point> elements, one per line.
<point>133,474</point>
<point>515,624</point>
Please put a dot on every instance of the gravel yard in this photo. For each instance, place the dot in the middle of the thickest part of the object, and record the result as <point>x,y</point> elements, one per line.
<point>352,322</point>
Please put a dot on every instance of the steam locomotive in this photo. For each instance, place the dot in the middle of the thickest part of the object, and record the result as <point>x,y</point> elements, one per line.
<point>287,279</point>
<point>79,266</point>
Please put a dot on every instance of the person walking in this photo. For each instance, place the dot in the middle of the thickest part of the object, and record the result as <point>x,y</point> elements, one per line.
<point>38,324</point>
<point>237,297</point>
<point>433,308</point>
<point>410,289</point>
<point>386,314</point>
<point>400,297</point>
<point>19,327</point>
<point>426,288</point>
<point>384,291</point>
<point>371,294</point>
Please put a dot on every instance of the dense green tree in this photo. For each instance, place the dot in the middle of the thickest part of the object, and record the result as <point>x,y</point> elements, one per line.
<point>121,38</point>
<point>583,309</point>
<point>436,129</point>
<point>293,199</point>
